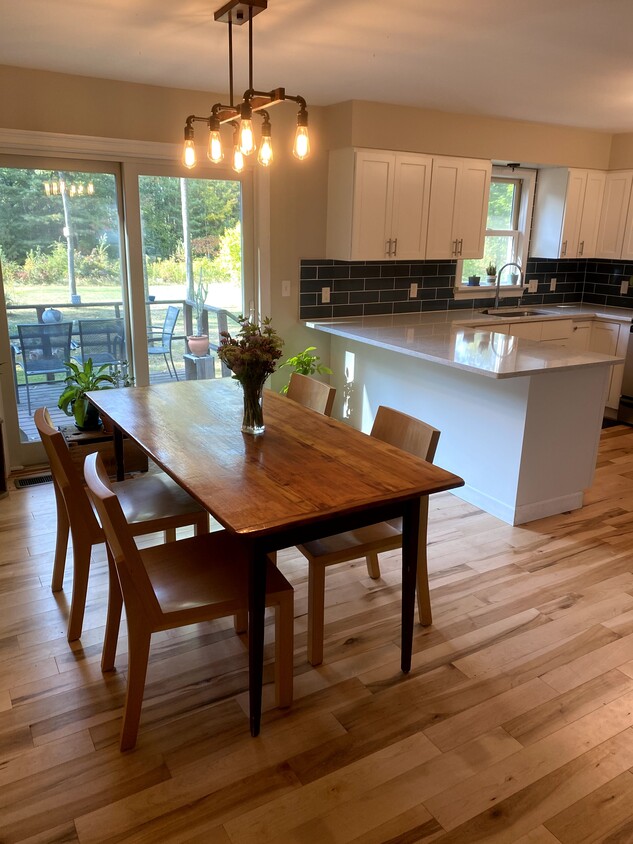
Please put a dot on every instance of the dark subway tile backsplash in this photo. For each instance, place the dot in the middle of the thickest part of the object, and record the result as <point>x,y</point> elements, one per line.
<point>364,288</point>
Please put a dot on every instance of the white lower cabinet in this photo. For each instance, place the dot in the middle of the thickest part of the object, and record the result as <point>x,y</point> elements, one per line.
<point>611,338</point>
<point>580,336</point>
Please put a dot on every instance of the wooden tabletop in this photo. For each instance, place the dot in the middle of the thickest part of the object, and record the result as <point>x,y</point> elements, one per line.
<point>305,468</point>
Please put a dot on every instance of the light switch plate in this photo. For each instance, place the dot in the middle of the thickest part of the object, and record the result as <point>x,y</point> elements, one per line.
<point>413,290</point>
<point>285,287</point>
<point>325,295</point>
<point>552,284</point>
<point>624,287</point>
<point>533,285</point>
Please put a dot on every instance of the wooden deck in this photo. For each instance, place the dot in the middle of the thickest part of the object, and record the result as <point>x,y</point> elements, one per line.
<point>514,725</point>
<point>48,394</point>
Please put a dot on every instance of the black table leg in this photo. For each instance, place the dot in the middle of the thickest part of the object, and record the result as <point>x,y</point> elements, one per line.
<point>410,534</point>
<point>256,610</point>
<point>118,454</point>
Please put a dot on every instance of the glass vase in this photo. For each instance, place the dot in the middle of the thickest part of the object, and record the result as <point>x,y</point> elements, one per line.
<point>253,419</point>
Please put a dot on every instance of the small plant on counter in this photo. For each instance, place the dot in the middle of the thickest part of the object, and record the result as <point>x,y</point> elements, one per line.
<point>491,269</point>
<point>305,363</point>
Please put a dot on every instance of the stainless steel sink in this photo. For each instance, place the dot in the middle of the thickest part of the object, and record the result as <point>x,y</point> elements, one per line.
<point>512,312</point>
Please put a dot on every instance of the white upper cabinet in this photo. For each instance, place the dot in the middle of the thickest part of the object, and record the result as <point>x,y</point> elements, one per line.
<point>458,208</point>
<point>615,236</point>
<point>567,213</point>
<point>378,205</point>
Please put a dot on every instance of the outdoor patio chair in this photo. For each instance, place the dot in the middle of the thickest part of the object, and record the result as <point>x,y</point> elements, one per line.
<point>103,340</point>
<point>45,349</point>
<point>166,336</point>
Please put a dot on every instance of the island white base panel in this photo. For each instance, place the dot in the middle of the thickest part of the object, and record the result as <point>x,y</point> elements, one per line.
<point>526,447</point>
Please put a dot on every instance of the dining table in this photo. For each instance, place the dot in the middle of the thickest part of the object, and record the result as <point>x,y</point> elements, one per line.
<point>307,476</point>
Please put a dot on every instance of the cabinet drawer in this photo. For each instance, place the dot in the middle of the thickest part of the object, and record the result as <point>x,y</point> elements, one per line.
<point>556,329</point>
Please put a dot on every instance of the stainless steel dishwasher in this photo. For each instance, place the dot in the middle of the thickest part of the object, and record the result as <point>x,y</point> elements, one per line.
<point>625,408</point>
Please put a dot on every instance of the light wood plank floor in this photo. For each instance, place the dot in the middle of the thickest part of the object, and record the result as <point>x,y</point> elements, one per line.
<point>514,725</point>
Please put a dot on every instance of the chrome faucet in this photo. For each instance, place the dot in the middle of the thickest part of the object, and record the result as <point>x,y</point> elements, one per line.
<point>498,282</point>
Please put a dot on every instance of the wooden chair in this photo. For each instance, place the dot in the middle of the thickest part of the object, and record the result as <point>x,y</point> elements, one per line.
<point>151,502</point>
<point>166,586</point>
<point>411,435</point>
<point>311,393</point>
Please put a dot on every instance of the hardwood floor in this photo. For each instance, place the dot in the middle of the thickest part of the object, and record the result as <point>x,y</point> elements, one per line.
<point>514,725</point>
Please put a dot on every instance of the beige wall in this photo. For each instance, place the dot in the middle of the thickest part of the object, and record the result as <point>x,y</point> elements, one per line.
<point>51,102</point>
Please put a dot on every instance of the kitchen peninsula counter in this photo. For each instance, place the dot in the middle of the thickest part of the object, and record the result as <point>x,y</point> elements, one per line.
<point>520,419</point>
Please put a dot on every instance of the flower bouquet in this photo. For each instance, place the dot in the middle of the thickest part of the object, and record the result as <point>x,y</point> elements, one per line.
<point>251,355</point>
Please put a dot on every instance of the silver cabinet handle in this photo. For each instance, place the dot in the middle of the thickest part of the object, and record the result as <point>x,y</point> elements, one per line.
<point>395,247</point>
<point>563,250</point>
<point>454,250</point>
<point>461,243</point>
<point>388,248</point>
<point>581,247</point>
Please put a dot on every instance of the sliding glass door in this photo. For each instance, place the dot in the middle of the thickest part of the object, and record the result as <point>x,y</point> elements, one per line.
<point>62,274</point>
<point>62,226</point>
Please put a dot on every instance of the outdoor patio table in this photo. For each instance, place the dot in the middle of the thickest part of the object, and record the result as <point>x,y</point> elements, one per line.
<point>306,477</point>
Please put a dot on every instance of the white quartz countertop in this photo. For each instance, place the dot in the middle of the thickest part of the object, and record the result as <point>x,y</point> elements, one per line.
<point>448,338</point>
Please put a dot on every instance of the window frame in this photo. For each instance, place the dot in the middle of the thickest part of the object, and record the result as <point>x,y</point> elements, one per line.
<point>521,235</point>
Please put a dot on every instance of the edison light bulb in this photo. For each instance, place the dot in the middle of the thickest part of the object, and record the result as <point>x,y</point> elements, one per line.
<point>247,141</point>
<point>47,188</point>
<point>189,154</point>
<point>214,152</point>
<point>301,148</point>
<point>238,160</point>
<point>91,189</point>
<point>265,154</point>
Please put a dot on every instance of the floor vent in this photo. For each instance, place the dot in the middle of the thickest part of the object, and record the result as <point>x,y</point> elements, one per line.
<point>20,483</point>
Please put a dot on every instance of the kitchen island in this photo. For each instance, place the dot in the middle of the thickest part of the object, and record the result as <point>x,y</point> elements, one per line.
<point>520,419</point>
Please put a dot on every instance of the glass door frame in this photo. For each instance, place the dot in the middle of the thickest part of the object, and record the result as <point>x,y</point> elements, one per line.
<point>131,170</point>
<point>31,453</point>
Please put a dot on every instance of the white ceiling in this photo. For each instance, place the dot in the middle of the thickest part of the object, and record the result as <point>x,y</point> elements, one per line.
<point>557,61</point>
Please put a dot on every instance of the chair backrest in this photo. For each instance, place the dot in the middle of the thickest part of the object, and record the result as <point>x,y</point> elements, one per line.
<point>138,593</point>
<point>45,347</point>
<point>81,516</point>
<point>103,340</point>
<point>405,432</point>
<point>169,326</point>
<point>311,393</point>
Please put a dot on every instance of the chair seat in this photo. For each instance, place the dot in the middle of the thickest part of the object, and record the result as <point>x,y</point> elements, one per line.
<point>153,497</point>
<point>384,536</point>
<point>183,578</point>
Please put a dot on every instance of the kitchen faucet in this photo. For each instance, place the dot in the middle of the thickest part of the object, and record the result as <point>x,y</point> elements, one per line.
<point>498,282</point>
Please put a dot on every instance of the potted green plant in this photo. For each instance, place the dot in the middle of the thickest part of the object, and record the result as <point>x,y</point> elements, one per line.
<point>473,280</point>
<point>305,363</point>
<point>491,271</point>
<point>80,380</point>
<point>199,342</point>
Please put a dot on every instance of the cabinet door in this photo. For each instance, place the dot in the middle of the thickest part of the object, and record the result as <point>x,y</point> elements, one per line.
<point>580,336</point>
<point>576,182</point>
<point>613,217</point>
<point>527,330</point>
<point>604,339</point>
<point>472,207</point>
<point>590,218</point>
<point>441,242</point>
<point>411,193</point>
<point>627,237</point>
<point>373,201</point>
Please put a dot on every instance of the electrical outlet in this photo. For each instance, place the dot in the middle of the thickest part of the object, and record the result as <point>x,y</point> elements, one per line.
<point>325,295</point>
<point>413,290</point>
<point>624,287</point>
<point>533,285</point>
<point>552,284</point>
<point>285,287</point>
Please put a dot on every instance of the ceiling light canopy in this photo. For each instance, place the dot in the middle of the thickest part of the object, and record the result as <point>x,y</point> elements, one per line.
<point>254,103</point>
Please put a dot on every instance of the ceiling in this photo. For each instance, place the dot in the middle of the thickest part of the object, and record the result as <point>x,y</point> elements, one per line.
<point>565,62</point>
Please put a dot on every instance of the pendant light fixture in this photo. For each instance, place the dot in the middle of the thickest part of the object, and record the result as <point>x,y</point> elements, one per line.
<point>240,115</point>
